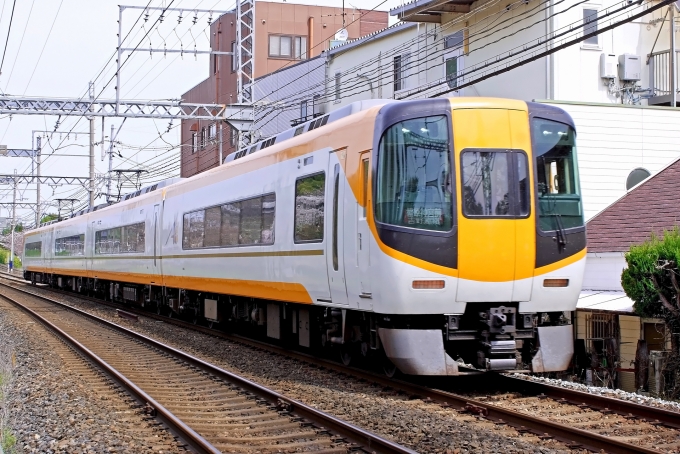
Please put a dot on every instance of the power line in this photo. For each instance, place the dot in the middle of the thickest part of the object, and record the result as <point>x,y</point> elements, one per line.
<point>9,29</point>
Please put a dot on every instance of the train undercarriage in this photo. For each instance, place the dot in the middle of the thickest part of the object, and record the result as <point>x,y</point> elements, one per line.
<point>488,336</point>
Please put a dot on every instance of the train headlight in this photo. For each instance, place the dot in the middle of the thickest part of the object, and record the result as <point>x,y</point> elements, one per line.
<point>555,282</point>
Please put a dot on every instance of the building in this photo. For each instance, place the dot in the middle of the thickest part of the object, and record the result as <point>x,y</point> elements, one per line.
<point>450,49</point>
<point>285,34</point>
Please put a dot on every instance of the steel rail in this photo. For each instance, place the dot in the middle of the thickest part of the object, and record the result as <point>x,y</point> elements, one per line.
<point>521,421</point>
<point>665,417</point>
<point>176,425</point>
<point>346,430</point>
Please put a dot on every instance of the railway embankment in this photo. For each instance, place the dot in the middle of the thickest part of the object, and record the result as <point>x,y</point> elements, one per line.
<point>413,422</point>
<point>58,404</point>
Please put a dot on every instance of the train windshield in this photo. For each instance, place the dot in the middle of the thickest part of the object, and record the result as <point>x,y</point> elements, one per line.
<point>414,175</point>
<point>559,192</point>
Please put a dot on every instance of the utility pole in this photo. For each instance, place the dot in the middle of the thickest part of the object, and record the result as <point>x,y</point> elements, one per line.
<point>10,264</point>
<point>108,182</point>
<point>219,137</point>
<point>673,75</point>
<point>91,149</point>
<point>37,191</point>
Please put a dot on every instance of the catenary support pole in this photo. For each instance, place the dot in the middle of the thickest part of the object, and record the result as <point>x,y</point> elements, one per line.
<point>38,151</point>
<point>108,179</point>
<point>10,263</point>
<point>92,150</point>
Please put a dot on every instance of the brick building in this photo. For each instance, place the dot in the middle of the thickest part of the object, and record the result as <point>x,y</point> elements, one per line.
<point>285,33</point>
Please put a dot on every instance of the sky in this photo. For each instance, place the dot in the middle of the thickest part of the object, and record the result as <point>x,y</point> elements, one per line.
<point>56,47</point>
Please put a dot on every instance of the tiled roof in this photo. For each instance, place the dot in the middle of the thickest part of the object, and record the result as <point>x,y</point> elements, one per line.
<point>650,207</point>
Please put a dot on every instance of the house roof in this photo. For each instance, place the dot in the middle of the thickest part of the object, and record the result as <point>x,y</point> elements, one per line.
<point>430,10</point>
<point>650,207</point>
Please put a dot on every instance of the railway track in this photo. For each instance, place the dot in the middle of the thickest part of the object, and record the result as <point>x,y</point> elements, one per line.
<point>580,420</point>
<point>208,408</point>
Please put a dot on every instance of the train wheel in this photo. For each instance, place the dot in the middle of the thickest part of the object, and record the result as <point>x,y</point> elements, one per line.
<point>389,368</point>
<point>345,354</point>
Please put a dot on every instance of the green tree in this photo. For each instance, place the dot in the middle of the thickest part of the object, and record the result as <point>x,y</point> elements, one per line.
<point>48,217</point>
<point>652,281</point>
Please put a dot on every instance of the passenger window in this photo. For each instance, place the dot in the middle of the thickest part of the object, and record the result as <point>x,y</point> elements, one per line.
<point>486,189</point>
<point>309,208</point>
<point>364,175</point>
<point>523,182</point>
<point>248,222</point>
<point>413,187</point>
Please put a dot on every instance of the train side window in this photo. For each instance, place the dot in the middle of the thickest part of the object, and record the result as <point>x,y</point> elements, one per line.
<point>250,228</point>
<point>120,240</point>
<point>213,222</point>
<point>194,230</point>
<point>231,215</point>
<point>364,176</point>
<point>268,218</point>
<point>309,208</point>
<point>33,249</point>
<point>69,246</point>
<point>523,183</point>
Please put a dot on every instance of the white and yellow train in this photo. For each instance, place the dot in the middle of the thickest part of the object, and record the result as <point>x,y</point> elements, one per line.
<point>423,232</point>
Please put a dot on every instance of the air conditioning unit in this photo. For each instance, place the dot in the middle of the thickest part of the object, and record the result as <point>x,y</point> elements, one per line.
<point>607,66</point>
<point>630,67</point>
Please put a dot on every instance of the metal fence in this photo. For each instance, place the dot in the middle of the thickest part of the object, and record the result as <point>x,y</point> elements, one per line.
<point>659,72</point>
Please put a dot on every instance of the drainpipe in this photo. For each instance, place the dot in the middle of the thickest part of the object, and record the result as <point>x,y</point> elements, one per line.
<point>310,40</point>
<point>673,63</point>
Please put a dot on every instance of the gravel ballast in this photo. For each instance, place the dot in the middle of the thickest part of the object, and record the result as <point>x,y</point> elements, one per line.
<point>59,404</point>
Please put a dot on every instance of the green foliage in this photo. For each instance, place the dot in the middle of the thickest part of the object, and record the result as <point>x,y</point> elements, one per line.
<point>7,440</point>
<point>17,228</point>
<point>48,217</point>
<point>655,260</point>
<point>4,258</point>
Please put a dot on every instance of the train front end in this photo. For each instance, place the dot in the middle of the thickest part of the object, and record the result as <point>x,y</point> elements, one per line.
<point>478,219</point>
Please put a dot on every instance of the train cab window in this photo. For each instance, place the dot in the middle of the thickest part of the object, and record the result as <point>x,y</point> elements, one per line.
<point>486,183</point>
<point>33,249</point>
<point>558,187</point>
<point>309,208</point>
<point>495,183</point>
<point>413,187</point>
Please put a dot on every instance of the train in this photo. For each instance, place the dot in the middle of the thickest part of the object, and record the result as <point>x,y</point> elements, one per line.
<point>430,236</point>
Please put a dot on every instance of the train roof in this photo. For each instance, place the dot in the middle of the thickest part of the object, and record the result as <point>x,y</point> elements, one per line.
<point>317,122</point>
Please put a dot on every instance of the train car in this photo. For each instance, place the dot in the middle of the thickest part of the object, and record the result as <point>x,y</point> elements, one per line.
<point>425,233</point>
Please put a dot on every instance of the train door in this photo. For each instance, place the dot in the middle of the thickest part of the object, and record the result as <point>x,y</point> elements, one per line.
<point>156,222</point>
<point>495,228</point>
<point>335,257</point>
<point>363,232</point>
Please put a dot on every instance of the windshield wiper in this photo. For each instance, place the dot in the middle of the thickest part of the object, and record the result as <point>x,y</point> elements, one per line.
<point>561,234</point>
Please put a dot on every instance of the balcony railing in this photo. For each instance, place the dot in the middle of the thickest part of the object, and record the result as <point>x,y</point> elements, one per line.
<point>659,76</point>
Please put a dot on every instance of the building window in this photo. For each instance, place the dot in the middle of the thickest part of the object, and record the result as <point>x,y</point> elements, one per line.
<point>452,72</point>
<point>309,208</point>
<point>234,60</point>
<point>284,46</point>
<point>247,222</point>
<point>400,65</point>
<point>203,138</point>
<point>215,64</point>
<point>303,110</point>
<point>590,26</point>
<point>194,142</point>
<point>212,131</point>
<point>338,79</point>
